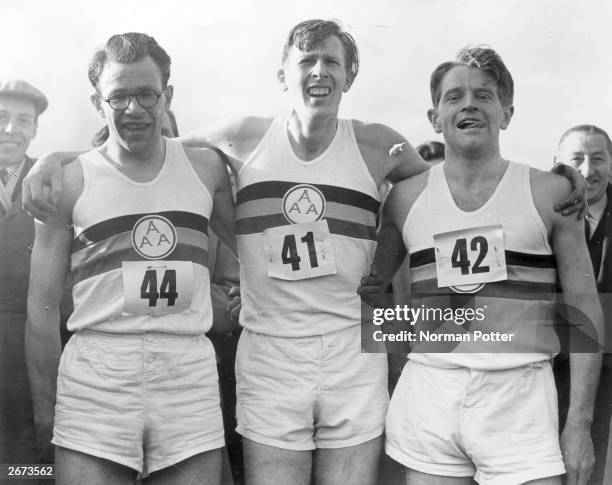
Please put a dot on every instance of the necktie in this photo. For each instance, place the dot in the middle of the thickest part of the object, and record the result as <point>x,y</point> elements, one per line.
<point>587,226</point>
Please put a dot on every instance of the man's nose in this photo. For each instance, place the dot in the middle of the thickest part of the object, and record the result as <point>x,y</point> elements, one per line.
<point>586,166</point>
<point>469,102</point>
<point>318,69</point>
<point>134,106</point>
<point>8,126</point>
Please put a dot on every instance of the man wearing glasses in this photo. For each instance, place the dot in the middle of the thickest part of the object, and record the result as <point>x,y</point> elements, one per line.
<point>137,384</point>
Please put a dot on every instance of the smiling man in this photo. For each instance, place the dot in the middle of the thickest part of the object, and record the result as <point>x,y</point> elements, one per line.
<point>588,148</point>
<point>20,106</point>
<point>137,388</point>
<point>481,234</point>
<point>311,406</point>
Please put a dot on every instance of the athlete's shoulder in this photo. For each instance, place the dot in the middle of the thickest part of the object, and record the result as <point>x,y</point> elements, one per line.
<point>404,194</point>
<point>409,189</point>
<point>206,162</point>
<point>547,189</point>
<point>548,184</point>
<point>376,135</point>
<point>386,152</point>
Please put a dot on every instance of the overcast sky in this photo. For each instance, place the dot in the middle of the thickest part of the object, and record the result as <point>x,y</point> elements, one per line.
<point>226,54</point>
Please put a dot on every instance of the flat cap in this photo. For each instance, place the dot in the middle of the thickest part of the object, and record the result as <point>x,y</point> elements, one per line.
<point>19,88</point>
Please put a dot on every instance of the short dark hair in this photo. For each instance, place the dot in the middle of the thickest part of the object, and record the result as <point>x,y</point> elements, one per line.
<point>589,130</point>
<point>128,48</point>
<point>310,33</point>
<point>483,58</point>
<point>431,151</point>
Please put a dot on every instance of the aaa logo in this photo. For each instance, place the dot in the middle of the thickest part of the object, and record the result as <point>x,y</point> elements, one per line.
<point>154,237</point>
<point>303,203</point>
<point>475,288</point>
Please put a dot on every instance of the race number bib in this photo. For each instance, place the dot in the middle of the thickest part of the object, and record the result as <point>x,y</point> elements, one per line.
<point>157,287</point>
<point>470,256</point>
<point>299,251</point>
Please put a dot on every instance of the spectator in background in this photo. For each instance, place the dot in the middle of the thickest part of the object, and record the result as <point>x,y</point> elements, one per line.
<point>20,106</point>
<point>431,151</point>
<point>589,149</point>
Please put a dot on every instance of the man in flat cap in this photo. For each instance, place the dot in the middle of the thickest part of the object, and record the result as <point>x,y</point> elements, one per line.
<point>20,106</point>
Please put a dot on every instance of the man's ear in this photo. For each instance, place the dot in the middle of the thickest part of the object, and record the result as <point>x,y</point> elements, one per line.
<point>97,103</point>
<point>350,78</point>
<point>280,75</point>
<point>508,112</point>
<point>432,114</point>
<point>169,94</point>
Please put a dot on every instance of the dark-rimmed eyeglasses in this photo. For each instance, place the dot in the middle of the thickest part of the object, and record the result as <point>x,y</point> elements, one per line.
<point>147,98</point>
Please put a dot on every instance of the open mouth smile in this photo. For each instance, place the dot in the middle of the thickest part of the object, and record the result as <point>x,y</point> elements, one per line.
<point>468,123</point>
<point>318,91</point>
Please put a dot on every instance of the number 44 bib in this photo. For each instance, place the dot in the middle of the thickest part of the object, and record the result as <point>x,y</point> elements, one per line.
<point>470,256</point>
<point>299,251</point>
<point>157,288</point>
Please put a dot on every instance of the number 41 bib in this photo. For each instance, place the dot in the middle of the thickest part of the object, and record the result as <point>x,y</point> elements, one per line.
<point>470,256</point>
<point>299,251</point>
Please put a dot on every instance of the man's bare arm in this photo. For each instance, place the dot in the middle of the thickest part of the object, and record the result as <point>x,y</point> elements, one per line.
<point>390,251</point>
<point>225,276</point>
<point>582,301</point>
<point>42,342</point>
<point>223,217</point>
<point>387,153</point>
<point>214,175</point>
<point>237,137</point>
<point>576,201</point>
<point>42,186</point>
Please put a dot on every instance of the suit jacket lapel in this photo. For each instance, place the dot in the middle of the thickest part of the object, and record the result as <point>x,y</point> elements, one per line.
<point>29,162</point>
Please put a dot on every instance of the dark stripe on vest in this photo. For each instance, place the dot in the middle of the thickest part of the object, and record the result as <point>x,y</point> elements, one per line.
<point>277,189</point>
<point>513,258</point>
<point>117,225</point>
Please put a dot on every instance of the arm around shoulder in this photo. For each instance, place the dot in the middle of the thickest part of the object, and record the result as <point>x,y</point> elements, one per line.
<point>233,135</point>
<point>214,175</point>
<point>42,186</point>
<point>387,153</point>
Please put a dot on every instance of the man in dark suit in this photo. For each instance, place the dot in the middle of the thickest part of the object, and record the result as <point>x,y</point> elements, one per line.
<point>20,106</point>
<point>589,149</point>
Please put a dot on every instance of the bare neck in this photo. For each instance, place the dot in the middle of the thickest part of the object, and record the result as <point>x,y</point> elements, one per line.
<point>475,167</point>
<point>472,182</point>
<point>140,166</point>
<point>310,136</point>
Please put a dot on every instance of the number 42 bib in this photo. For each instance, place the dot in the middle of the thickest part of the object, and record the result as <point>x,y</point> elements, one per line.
<point>470,256</point>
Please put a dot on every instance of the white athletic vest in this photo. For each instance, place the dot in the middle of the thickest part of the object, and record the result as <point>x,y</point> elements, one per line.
<point>139,254</point>
<point>521,303</point>
<point>306,235</point>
